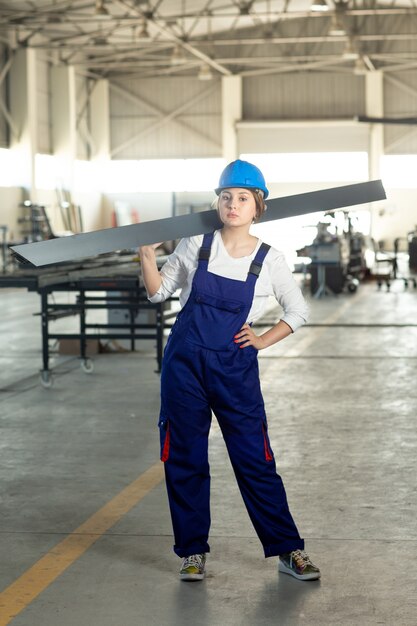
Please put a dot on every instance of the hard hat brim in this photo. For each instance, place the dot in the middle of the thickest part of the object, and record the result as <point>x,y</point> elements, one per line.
<point>243,186</point>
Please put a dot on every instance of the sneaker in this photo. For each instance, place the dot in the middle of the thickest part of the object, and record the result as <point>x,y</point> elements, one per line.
<point>193,567</point>
<point>298,564</point>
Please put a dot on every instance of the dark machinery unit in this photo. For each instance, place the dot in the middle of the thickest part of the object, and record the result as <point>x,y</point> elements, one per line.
<point>391,266</point>
<point>412,249</point>
<point>330,258</point>
<point>338,260</point>
<point>329,265</point>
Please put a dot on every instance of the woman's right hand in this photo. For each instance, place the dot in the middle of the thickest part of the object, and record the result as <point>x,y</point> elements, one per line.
<point>150,248</point>
<point>150,273</point>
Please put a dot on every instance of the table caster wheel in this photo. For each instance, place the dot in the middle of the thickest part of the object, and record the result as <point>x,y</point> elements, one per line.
<point>87,366</point>
<point>46,379</point>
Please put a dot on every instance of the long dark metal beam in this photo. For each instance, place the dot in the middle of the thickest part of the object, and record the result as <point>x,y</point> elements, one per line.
<point>405,121</point>
<point>124,237</point>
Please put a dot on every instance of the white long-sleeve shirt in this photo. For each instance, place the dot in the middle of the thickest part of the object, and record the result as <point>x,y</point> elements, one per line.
<point>275,279</point>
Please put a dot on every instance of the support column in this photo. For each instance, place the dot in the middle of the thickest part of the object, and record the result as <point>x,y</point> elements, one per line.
<point>99,124</point>
<point>23,105</point>
<point>231,113</point>
<point>100,120</point>
<point>64,123</point>
<point>375,108</point>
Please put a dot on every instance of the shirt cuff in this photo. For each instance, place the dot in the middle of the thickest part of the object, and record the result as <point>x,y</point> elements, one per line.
<point>157,297</point>
<point>294,321</point>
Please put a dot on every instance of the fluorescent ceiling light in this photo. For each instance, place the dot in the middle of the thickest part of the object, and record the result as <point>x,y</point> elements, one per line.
<point>143,33</point>
<point>360,67</point>
<point>100,9</point>
<point>337,28</point>
<point>205,73</point>
<point>319,5</point>
<point>177,57</point>
<point>350,53</point>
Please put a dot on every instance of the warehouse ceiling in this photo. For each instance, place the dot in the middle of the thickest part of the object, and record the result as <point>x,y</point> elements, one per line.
<point>208,38</point>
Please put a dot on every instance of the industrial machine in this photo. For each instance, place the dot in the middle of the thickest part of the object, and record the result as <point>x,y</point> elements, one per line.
<point>340,255</point>
<point>412,249</point>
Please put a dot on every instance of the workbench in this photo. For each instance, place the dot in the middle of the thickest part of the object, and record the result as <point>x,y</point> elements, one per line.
<point>118,279</point>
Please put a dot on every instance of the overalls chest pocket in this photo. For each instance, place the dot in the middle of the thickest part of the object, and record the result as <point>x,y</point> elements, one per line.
<point>215,321</point>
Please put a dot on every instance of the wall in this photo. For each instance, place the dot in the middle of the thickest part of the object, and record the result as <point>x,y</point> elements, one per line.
<point>10,197</point>
<point>168,118</point>
<point>154,206</point>
<point>303,95</point>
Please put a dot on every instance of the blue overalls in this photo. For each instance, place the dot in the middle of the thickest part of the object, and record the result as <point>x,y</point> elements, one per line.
<point>203,370</point>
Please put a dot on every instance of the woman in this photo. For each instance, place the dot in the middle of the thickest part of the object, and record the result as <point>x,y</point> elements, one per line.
<point>210,364</point>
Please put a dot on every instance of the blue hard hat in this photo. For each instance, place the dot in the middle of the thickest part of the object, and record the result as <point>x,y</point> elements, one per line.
<point>242,174</point>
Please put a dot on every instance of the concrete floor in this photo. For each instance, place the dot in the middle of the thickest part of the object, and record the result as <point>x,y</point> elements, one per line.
<point>342,407</point>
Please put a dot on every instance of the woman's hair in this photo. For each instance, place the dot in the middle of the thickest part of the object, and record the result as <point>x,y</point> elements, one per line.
<point>259,203</point>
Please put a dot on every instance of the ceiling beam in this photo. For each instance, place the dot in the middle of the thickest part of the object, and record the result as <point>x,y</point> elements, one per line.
<point>168,33</point>
<point>59,9</point>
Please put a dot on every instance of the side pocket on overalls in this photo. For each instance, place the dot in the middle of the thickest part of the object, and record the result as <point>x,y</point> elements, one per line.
<point>164,434</point>
<point>268,452</point>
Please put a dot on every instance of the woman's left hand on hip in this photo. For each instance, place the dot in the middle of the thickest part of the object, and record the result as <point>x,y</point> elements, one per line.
<point>246,337</point>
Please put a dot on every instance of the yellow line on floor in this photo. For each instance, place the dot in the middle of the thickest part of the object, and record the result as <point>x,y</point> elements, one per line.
<point>25,589</point>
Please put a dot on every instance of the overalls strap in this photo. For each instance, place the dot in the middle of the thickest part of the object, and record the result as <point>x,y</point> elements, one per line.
<point>204,254</point>
<point>256,265</point>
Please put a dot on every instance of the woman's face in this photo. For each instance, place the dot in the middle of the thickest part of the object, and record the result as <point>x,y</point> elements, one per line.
<point>237,207</point>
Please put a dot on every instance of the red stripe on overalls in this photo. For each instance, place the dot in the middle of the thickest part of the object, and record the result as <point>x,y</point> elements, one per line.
<point>268,455</point>
<point>165,451</point>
